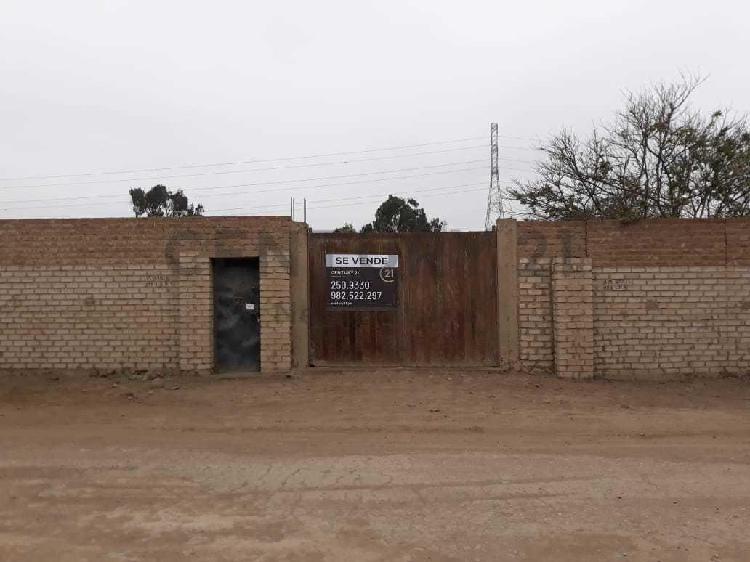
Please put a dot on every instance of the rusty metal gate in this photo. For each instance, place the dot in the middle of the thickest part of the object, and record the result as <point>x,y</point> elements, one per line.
<point>445,309</point>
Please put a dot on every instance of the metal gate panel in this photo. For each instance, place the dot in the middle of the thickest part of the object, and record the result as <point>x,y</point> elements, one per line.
<point>236,285</point>
<point>447,302</point>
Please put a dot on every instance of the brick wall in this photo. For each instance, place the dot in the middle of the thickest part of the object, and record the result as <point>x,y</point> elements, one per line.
<point>132,293</point>
<point>668,298</point>
<point>656,298</point>
<point>671,321</point>
<point>67,316</point>
<point>537,239</point>
<point>666,242</point>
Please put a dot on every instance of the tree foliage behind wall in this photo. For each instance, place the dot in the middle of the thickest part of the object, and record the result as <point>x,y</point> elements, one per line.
<point>658,157</point>
<point>346,229</point>
<point>160,202</point>
<point>396,214</point>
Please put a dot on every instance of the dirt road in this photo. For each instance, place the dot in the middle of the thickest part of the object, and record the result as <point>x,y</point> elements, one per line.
<point>366,466</point>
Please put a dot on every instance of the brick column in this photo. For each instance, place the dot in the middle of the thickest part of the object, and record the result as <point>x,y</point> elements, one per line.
<point>300,283</point>
<point>275,311</point>
<point>507,290</point>
<point>573,317</point>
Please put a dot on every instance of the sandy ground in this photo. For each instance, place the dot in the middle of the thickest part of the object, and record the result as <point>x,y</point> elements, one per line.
<point>365,466</point>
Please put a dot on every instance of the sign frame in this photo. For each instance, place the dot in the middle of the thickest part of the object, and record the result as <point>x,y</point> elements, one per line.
<point>362,282</point>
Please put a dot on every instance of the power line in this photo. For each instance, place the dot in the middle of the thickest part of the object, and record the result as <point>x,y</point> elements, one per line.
<point>340,176</point>
<point>285,204</point>
<point>357,201</point>
<point>199,188</point>
<point>529,148</point>
<point>518,138</point>
<point>319,186</point>
<point>243,171</point>
<point>264,183</point>
<point>458,192</point>
<point>362,200</point>
<point>238,163</point>
<point>371,199</point>
<point>334,185</point>
<point>234,193</point>
<point>356,197</point>
<point>243,192</point>
<point>320,178</point>
<point>242,162</point>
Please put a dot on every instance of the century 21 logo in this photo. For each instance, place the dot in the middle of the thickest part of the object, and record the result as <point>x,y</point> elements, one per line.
<point>387,274</point>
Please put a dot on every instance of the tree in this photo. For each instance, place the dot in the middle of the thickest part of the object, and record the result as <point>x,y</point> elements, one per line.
<point>345,229</point>
<point>160,202</point>
<point>657,158</point>
<point>402,215</point>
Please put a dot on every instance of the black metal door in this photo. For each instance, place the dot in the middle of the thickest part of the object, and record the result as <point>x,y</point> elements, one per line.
<point>237,314</point>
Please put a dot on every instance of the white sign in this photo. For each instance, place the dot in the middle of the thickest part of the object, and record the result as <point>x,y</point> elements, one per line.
<point>361,260</point>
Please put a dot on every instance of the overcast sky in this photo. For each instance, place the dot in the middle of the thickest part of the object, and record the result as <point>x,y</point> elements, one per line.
<point>405,89</point>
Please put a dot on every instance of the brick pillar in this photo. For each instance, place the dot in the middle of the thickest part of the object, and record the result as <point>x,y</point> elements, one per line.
<point>573,317</point>
<point>299,279</point>
<point>275,311</point>
<point>507,290</point>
